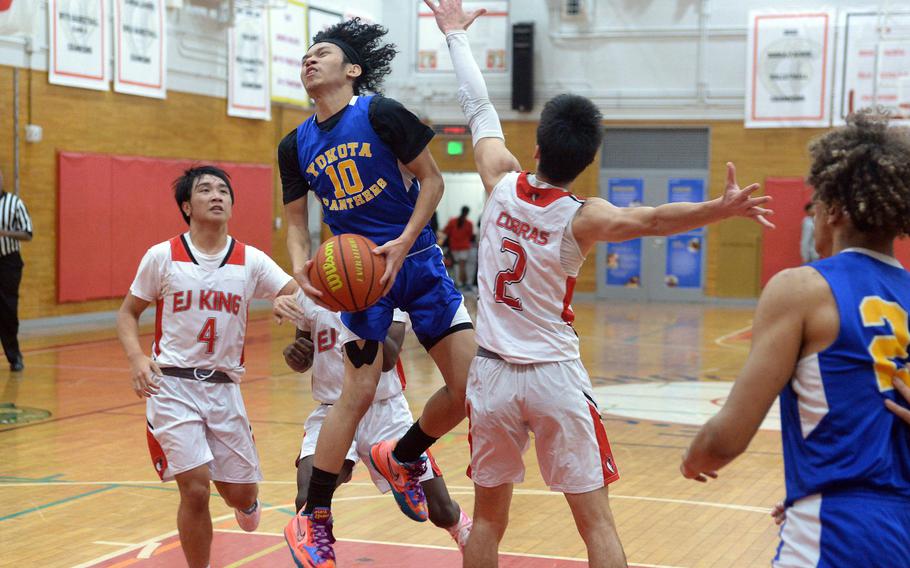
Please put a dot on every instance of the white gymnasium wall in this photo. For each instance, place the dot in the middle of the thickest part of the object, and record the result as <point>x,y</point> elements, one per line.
<point>638,59</point>
<point>197,43</point>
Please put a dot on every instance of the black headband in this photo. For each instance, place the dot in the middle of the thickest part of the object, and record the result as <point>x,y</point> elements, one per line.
<point>346,49</point>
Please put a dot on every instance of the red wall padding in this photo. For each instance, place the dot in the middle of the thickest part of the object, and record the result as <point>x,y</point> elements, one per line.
<point>780,246</point>
<point>111,209</point>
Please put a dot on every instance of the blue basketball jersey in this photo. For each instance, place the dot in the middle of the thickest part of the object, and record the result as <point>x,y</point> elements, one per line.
<point>357,178</point>
<point>837,433</point>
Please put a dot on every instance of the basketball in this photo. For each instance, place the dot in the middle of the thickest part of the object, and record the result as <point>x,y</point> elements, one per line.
<point>347,273</point>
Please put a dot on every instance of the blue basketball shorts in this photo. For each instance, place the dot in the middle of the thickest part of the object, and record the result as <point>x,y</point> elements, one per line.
<point>424,290</point>
<point>845,529</point>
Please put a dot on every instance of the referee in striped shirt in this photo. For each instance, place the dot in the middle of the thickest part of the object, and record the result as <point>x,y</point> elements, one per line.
<point>15,226</point>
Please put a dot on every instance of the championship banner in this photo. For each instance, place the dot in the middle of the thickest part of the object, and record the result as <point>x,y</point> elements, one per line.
<point>489,39</point>
<point>289,42</point>
<point>789,67</point>
<point>140,48</point>
<point>248,65</point>
<point>17,17</point>
<point>873,63</point>
<point>78,46</point>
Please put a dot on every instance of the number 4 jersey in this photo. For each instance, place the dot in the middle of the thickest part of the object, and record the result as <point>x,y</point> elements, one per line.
<point>837,433</point>
<point>202,301</point>
<point>527,264</point>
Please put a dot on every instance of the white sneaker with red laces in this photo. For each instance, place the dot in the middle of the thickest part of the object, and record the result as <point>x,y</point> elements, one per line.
<point>461,530</point>
<point>248,520</point>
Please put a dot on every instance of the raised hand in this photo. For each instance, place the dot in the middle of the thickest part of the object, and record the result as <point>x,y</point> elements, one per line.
<point>450,15</point>
<point>740,203</point>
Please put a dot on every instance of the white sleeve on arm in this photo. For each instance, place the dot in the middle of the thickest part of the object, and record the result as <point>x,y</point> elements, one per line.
<point>472,91</point>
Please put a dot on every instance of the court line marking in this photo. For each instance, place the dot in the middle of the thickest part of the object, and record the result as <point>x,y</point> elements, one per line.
<point>437,547</point>
<point>57,502</point>
<point>720,340</point>
<point>148,550</point>
<point>453,489</point>
<point>264,552</point>
<point>112,543</point>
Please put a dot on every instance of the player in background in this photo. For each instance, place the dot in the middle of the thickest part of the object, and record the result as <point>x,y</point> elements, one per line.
<point>364,157</point>
<point>202,282</point>
<point>831,339</point>
<point>318,345</point>
<point>527,375</point>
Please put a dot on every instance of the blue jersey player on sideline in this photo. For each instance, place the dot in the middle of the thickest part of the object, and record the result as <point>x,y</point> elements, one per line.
<point>365,158</point>
<point>831,338</point>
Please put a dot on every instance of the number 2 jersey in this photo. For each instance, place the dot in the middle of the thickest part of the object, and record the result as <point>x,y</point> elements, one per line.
<point>837,433</point>
<point>202,301</point>
<point>527,264</point>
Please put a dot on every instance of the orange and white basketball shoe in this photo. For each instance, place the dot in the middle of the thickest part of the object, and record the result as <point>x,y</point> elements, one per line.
<point>404,478</point>
<point>309,536</point>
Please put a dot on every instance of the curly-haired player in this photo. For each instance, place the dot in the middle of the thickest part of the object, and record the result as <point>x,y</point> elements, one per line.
<point>365,158</point>
<point>831,338</point>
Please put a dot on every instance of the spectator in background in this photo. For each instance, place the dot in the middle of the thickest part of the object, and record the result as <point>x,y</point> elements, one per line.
<point>460,233</point>
<point>807,238</point>
<point>15,226</point>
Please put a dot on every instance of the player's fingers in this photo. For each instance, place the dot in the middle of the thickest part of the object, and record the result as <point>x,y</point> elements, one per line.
<point>473,16</point>
<point>711,474</point>
<point>155,368</point>
<point>760,219</point>
<point>760,211</point>
<point>901,387</point>
<point>431,6</point>
<point>898,410</point>
<point>731,174</point>
<point>751,188</point>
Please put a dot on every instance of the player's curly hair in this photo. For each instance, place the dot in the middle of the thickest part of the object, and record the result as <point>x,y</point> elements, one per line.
<point>864,167</point>
<point>375,57</point>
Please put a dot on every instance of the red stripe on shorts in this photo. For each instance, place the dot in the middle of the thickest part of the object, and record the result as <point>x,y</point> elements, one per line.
<point>159,460</point>
<point>611,473</point>
<point>436,470</point>
<point>470,440</point>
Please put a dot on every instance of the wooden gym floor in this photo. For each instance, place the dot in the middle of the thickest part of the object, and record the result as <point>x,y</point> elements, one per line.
<point>77,487</point>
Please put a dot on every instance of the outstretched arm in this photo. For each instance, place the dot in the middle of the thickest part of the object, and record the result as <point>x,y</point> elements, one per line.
<point>491,156</point>
<point>600,221</point>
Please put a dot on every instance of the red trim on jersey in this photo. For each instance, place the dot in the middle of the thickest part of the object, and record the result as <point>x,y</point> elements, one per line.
<point>178,250</point>
<point>568,315</point>
<point>238,255</point>
<point>539,196</point>
<point>159,459</point>
<point>611,474</point>
<point>436,470</point>
<point>159,311</point>
<point>468,472</point>
<point>243,347</point>
<point>401,378</point>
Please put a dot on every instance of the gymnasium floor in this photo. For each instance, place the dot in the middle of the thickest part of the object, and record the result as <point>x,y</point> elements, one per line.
<point>77,487</point>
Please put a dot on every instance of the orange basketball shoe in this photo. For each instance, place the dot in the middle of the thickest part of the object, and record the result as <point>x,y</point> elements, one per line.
<point>310,539</point>
<point>404,478</point>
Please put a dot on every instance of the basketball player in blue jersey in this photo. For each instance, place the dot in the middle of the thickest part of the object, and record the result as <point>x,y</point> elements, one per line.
<point>831,338</point>
<point>366,160</point>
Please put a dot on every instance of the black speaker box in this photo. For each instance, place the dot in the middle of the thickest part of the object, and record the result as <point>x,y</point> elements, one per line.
<point>523,66</point>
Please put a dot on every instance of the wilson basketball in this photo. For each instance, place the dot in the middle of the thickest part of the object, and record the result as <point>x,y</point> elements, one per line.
<point>347,273</point>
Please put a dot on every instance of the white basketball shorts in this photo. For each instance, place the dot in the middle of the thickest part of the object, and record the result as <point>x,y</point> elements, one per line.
<point>553,400</point>
<point>192,423</point>
<point>386,419</point>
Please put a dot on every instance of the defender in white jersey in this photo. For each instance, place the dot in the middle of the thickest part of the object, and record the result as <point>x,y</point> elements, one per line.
<point>202,283</point>
<point>527,376</point>
<point>318,344</point>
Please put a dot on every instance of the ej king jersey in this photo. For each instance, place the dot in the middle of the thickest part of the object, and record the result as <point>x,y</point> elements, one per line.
<point>328,357</point>
<point>202,301</point>
<point>524,311</point>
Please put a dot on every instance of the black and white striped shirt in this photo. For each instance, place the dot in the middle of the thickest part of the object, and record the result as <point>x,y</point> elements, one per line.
<point>13,217</point>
